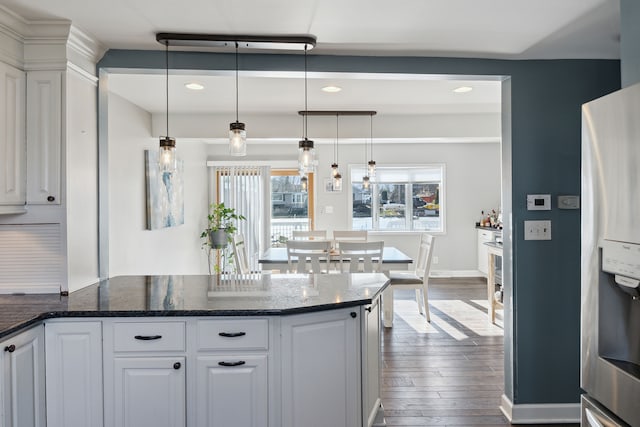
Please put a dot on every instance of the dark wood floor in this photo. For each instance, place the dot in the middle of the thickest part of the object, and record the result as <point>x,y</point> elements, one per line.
<point>447,373</point>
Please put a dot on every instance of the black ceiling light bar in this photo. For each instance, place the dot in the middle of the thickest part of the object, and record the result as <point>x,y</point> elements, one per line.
<point>337,113</point>
<point>243,41</point>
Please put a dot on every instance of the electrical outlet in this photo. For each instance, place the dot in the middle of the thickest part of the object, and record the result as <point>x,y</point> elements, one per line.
<point>537,230</point>
<point>435,260</point>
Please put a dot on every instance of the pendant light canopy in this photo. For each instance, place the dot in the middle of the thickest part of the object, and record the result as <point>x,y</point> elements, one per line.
<point>167,160</point>
<point>237,132</point>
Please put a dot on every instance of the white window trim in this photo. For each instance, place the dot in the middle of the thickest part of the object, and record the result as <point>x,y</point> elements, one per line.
<point>443,197</point>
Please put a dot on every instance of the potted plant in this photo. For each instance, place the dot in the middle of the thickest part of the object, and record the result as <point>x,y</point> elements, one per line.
<point>221,226</point>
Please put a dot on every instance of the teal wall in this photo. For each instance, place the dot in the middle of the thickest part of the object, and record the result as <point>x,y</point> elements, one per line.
<point>630,41</point>
<point>546,128</point>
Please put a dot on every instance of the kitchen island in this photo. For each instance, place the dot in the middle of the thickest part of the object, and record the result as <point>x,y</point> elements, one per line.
<point>252,350</point>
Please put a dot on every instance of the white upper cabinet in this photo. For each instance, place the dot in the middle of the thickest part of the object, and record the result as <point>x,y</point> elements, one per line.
<point>12,138</point>
<point>44,136</point>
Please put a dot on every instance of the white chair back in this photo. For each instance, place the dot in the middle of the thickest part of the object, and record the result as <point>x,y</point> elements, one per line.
<point>308,256</point>
<point>361,256</point>
<point>240,254</point>
<point>423,262</point>
<point>348,236</point>
<point>309,234</point>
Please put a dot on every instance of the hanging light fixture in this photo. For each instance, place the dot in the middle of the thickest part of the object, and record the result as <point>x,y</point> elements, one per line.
<point>365,179</point>
<point>335,172</point>
<point>237,132</point>
<point>306,152</point>
<point>304,183</point>
<point>167,157</point>
<point>371,165</point>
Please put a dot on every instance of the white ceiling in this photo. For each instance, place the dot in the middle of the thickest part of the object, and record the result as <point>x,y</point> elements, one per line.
<point>509,29</point>
<point>506,29</point>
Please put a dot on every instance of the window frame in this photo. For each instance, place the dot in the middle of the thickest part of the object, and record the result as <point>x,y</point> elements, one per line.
<point>375,202</point>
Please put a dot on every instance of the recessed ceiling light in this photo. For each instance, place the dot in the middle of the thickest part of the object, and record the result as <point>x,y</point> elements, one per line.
<point>194,86</point>
<point>463,89</point>
<point>331,89</point>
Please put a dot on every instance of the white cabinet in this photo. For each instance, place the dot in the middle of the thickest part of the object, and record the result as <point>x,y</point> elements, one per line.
<point>44,136</point>
<point>22,380</point>
<point>12,138</point>
<point>321,378</point>
<point>371,369</point>
<point>232,390</point>
<point>74,373</point>
<point>149,391</point>
<point>484,236</point>
<point>144,373</point>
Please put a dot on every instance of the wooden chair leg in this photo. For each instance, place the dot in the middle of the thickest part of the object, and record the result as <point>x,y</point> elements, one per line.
<point>425,295</point>
<point>419,300</point>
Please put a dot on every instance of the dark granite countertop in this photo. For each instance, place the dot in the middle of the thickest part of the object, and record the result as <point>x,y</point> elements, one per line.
<point>232,295</point>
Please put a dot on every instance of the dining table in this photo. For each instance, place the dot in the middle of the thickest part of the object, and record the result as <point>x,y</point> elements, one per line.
<point>276,259</point>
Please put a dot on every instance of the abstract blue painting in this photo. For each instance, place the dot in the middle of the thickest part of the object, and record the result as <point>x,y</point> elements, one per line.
<point>165,197</point>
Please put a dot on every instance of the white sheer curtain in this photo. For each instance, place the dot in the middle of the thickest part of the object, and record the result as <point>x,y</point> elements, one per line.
<point>246,189</point>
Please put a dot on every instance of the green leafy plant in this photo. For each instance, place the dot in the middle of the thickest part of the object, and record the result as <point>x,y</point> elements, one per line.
<point>221,226</point>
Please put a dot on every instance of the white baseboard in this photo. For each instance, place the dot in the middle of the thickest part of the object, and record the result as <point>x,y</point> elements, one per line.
<point>455,273</point>
<point>540,413</point>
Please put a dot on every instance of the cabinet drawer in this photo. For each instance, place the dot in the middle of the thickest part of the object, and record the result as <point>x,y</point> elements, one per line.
<point>233,334</point>
<point>149,336</point>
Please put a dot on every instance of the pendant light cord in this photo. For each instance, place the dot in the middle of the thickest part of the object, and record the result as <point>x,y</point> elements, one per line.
<point>236,81</point>
<point>371,134</point>
<point>335,154</point>
<point>305,93</point>
<point>166,60</point>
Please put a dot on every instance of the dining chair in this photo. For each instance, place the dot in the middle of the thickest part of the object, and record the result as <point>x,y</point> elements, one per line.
<point>240,254</point>
<point>309,234</point>
<point>353,255</point>
<point>418,278</point>
<point>308,256</point>
<point>350,235</point>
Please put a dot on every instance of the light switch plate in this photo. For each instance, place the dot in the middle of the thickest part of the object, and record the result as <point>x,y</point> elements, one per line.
<point>537,230</point>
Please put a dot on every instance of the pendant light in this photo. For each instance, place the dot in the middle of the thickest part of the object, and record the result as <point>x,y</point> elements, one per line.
<point>371,165</point>
<point>167,157</point>
<point>365,179</point>
<point>335,172</point>
<point>304,183</point>
<point>237,132</point>
<point>306,152</point>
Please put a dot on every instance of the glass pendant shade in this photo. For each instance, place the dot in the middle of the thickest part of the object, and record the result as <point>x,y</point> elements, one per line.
<point>365,182</point>
<point>371,168</point>
<point>306,156</point>
<point>237,139</point>
<point>334,170</point>
<point>304,183</point>
<point>337,182</point>
<point>167,159</point>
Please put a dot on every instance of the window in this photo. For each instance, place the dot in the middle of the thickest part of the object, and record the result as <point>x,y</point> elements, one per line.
<point>291,206</point>
<point>400,198</point>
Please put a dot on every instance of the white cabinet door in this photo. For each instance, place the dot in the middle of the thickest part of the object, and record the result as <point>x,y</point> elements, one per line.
<point>44,135</point>
<point>484,236</point>
<point>321,379</point>
<point>371,362</point>
<point>232,391</point>
<point>149,391</point>
<point>22,380</point>
<point>74,374</point>
<point>12,136</point>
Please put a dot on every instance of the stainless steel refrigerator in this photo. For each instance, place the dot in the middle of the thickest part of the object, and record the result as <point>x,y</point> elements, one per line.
<point>610,260</point>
